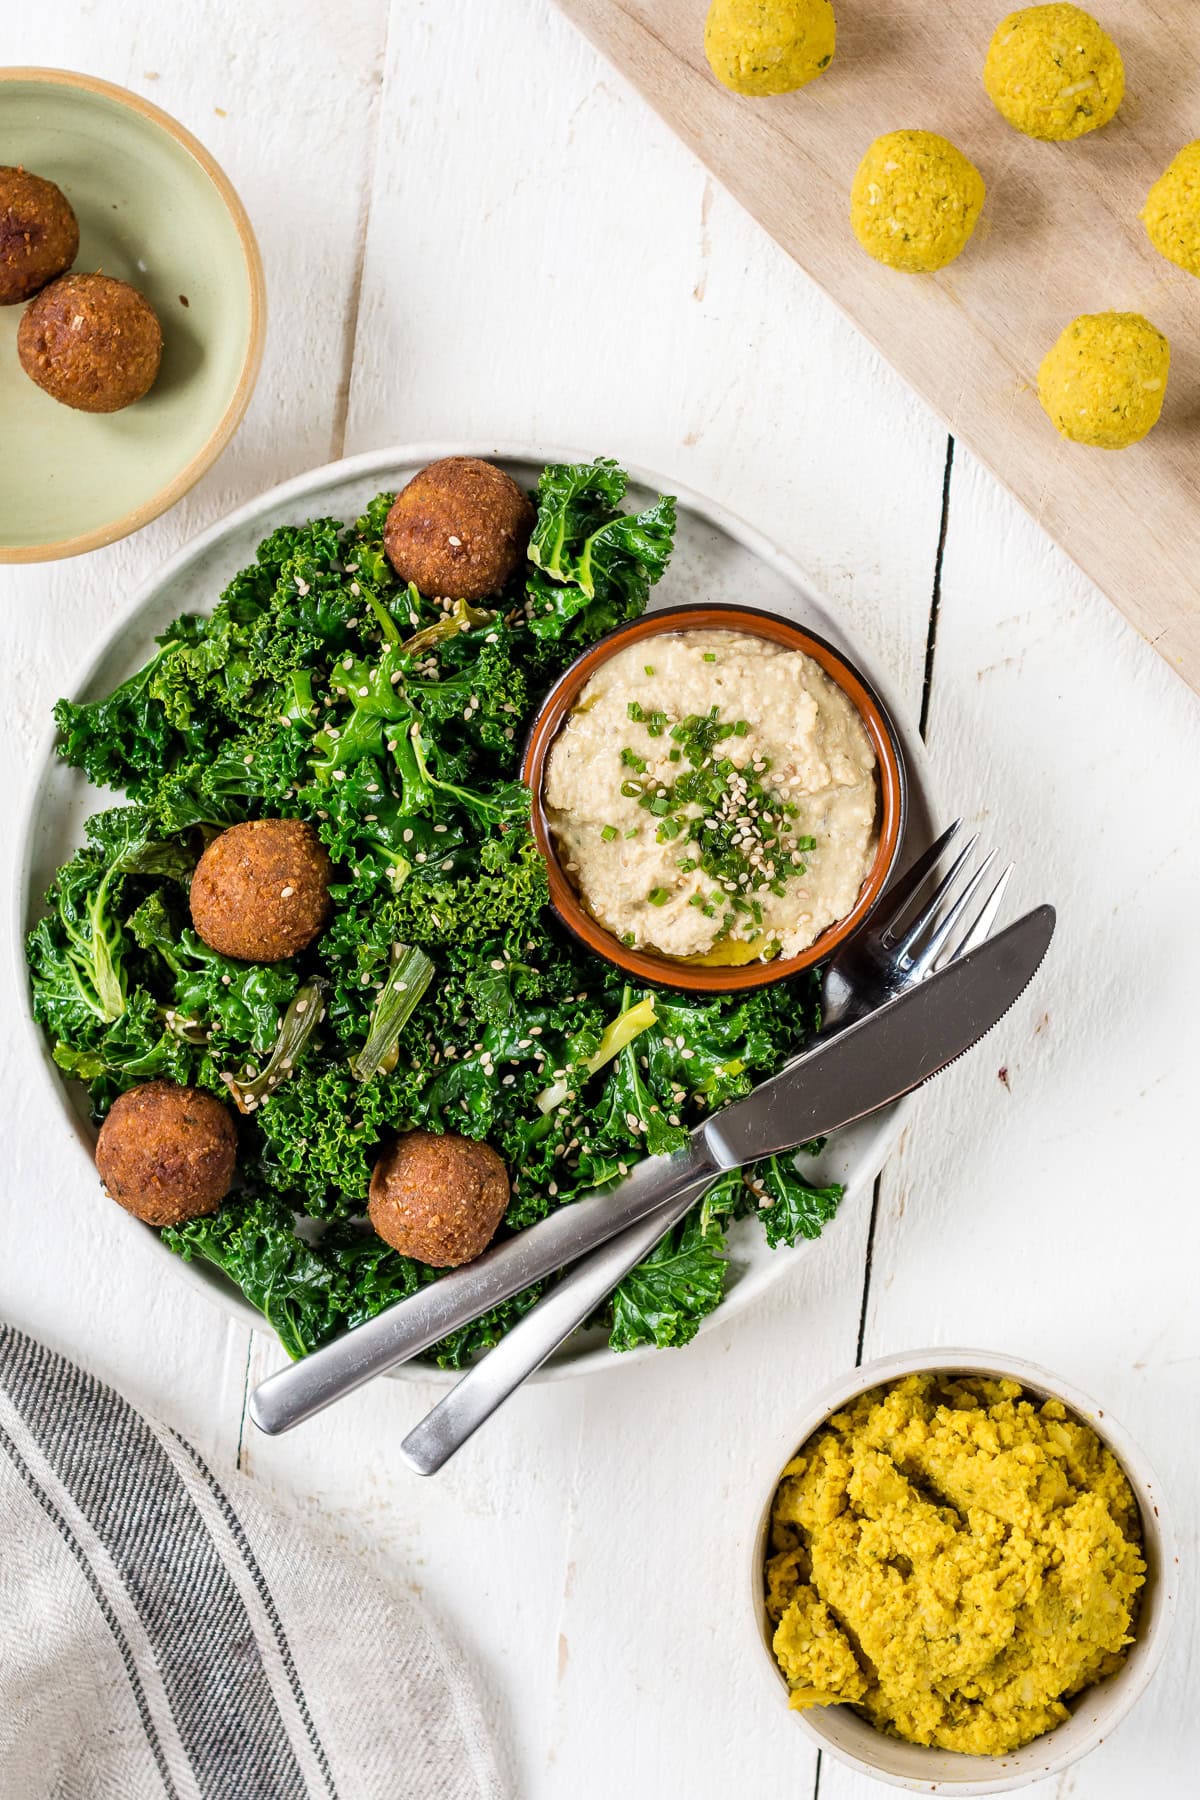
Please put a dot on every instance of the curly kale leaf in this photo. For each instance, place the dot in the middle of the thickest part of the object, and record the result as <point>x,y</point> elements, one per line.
<point>235,1006</point>
<point>789,1206</point>
<point>665,1298</point>
<point>593,565</point>
<point>78,952</point>
<point>300,1292</point>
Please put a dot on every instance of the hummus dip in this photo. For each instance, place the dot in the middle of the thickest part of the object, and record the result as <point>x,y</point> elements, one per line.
<point>713,797</point>
<point>957,1559</point>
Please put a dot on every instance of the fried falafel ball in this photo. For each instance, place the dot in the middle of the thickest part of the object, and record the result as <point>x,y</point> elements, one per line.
<point>39,234</point>
<point>261,890</point>
<point>459,529</point>
<point>438,1198</point>
<point>91,342</point>
<point>1054,72</point>
<point>167,1154</point>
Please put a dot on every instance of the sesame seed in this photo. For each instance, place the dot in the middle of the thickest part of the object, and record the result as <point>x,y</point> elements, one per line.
<point>285,893</point>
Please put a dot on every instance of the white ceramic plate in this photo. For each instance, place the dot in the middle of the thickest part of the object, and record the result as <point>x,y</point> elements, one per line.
<point>717,558</point>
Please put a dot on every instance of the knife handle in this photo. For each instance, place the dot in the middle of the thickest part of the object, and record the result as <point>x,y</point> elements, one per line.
<point>405,1329</point>
<point>490,1381</point>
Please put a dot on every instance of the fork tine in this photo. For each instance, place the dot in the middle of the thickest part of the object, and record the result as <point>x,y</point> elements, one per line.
<point>928,914</point>
<point>932,954</point>
<point>910,883</point>
<point>981,929</point>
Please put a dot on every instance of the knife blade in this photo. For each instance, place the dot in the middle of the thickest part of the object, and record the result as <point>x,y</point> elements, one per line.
<point>833,1082</point>
<point>489,1382</point>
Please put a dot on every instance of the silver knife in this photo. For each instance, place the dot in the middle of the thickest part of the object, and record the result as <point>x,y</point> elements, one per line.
<point>833,1082</point>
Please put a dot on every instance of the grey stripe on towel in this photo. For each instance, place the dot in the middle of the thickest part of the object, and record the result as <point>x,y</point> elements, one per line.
<point>119,1476</point>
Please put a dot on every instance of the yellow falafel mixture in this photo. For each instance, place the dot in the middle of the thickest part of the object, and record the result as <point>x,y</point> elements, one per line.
<point>1053,72</point>
<point>764,47</point>
<point>1104,381</point>
<point>1171,214</point>
<point>955,1558</point>
<point>914,201</point>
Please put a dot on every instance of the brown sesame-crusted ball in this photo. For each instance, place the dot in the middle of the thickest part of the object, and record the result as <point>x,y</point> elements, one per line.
<point>458,529</point>
<point>166,1153</point>
<point>261,890</point>
<point>438,1198</point>
<point>91,342</point>
<point>39,234</point>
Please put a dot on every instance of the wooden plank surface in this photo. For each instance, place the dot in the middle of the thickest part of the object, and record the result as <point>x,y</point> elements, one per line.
<point>1059,236</point>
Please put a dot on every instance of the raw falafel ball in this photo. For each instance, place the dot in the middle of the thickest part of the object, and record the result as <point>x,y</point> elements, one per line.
<point>459,529</point>
<point>1104,381</point>
<point>1053,72</point>
<point>757,49</point>
<point>91,342</point>
<point>167,1154</point>
<point>914,201</point>
<point>39,234</point>
<point>438,1198</point>
<point>261,890</point>
<point>1171,214</point>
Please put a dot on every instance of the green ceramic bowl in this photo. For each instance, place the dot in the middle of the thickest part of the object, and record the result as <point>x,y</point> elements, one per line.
<point>155,210</point>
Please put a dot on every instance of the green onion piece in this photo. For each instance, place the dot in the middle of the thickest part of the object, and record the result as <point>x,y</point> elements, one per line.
<point>649,668</point>
<point>632,832</point>
<point>674,756</point>
<point>710,656</point>
<point>409,975</point>
<point>669,829</point>
<point>659,896</point>
<point>631,790</point>
<point>740,728</point>
<point>634,711</point>
<point>609,833</point>
<point>299,1022</point>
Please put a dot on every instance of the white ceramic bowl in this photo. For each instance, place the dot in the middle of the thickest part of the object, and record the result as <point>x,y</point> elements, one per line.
<point>1098,1710</point>
<point>717,558</point>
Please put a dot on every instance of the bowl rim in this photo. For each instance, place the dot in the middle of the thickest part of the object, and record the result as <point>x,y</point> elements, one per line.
<point>891,770</point>
<point>1117,1694</point>
<point>231,418</point>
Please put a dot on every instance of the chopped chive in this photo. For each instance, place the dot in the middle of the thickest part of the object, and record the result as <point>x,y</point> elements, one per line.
<point>740,728</point>
<point>634,711</point>
<point>630,789</point>
<point>687,864</point>
<point>669,829</point>
<point>632,832</point>
<point>649,668</point>
<point>710,656</point>
<point>609,833</point>
<point>628,939</point>
<point>674,755</point>
<point>659,896</point>
<point>632,760</point>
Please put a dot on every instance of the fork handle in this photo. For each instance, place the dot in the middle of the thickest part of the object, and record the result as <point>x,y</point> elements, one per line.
<point>490,1381</point>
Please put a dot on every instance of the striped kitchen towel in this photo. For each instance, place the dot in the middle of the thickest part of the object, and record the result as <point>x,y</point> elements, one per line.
<point>166,1633</point>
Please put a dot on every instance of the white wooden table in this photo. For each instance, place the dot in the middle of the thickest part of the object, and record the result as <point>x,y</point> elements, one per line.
<point>473,230</point>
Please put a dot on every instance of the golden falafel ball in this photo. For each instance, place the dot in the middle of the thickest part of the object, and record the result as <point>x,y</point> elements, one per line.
<point>759,49</point>
<point>1054,72</point>
<point>91,342</point>
<point>167,1154</point>
<point>1104,381</point>
<point>39,234</point>
<point>459,529</point>
<point>1171,214</point>
<point>261,890</point>
<point>914,201</point>
<point>438,1198</point>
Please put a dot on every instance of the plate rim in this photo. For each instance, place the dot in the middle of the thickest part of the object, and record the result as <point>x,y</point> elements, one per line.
<point>377,463</point>
<point>187,477</point>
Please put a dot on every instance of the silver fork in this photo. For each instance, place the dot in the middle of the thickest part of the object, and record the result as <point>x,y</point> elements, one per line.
<point>893,954</point>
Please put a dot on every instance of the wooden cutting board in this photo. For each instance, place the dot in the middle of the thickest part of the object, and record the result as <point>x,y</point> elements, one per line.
<point>1059,235</point>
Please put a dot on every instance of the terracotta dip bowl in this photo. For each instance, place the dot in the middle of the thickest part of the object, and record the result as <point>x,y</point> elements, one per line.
<point>667,971</point>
